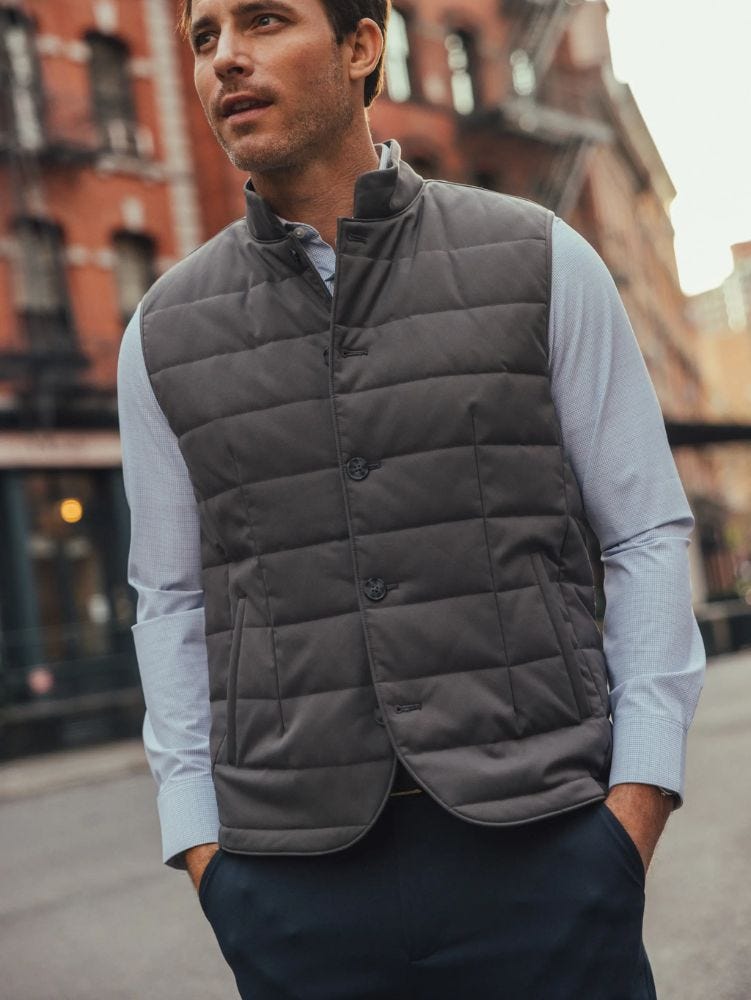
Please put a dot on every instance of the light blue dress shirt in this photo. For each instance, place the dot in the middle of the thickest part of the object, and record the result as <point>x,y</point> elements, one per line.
<point>614,436</point>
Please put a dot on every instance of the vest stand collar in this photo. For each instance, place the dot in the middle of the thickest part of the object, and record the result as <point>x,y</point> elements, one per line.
<point>379,194</point>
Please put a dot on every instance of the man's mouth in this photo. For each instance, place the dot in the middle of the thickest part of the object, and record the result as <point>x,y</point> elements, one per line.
<point>243,106</point>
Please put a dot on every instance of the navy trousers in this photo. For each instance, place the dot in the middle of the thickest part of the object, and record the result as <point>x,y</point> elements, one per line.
<point>427,906</point>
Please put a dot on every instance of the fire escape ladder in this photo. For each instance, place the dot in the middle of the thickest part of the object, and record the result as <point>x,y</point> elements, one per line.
<point>570,179</point>
<point>540,31</point>
<point>560,188</point>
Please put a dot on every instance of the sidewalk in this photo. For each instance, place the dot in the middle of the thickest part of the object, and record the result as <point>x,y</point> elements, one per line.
<point>69,768</point>
<point>89,912</point>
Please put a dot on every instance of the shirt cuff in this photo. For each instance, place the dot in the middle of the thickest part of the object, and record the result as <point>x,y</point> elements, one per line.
<point>649,750</point>
<point>188,816</point>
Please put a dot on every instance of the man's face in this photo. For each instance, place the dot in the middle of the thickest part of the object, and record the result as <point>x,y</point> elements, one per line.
<point>280,57</point>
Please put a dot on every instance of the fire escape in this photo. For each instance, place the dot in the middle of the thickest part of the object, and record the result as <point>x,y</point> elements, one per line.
<point>38,134</point>
<point>548,106</point>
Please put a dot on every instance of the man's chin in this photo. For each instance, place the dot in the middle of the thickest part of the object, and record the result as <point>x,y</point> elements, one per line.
<point>259,157</point>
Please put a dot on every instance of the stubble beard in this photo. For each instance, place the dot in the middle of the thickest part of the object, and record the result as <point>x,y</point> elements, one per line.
<point>317,125</point>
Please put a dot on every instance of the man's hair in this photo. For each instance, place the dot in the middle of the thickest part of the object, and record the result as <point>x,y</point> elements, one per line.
<point>344,16</point>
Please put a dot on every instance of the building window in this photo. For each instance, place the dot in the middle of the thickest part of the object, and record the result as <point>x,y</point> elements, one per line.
<point>66,610</point>
<point>134,271</point>
<point>112,94</point>
<point>398,74</point>
<point>42,289</point>
<point>523,75</point>
<point>20,84</point>
<point>460,49</point>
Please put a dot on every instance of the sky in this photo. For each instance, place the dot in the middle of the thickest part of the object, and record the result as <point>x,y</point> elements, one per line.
<point>688,66</point>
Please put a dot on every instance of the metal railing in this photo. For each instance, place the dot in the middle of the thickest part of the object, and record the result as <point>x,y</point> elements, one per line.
<point>536,28</point>
<point>49,702</point>
<point>70,132</point>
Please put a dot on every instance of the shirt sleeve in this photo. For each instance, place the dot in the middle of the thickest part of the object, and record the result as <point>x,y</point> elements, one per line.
<point>164,567</point>
<point>614,436</point>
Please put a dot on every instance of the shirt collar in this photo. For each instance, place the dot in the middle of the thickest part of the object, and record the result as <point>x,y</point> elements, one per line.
<point>379,194</point>
<point>306,233</point>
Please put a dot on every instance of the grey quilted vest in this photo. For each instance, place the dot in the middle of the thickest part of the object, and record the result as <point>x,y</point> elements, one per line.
<point>391,535</point>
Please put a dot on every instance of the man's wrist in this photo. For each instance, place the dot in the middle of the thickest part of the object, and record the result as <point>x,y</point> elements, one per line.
<point>643,791</point>
<point>197,849</point>
<point>643,810</point>
<point>197,858</point>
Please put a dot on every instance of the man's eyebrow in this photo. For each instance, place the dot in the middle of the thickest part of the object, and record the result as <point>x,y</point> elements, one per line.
<point>242,10</point>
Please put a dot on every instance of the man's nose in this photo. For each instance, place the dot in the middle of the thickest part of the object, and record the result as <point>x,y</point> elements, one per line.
<point>231,56</point>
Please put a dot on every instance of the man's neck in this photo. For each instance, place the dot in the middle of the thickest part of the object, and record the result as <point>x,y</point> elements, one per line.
<point>322,191</point>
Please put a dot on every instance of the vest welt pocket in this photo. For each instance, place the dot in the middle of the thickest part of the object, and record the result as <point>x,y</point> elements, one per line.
<point>552,599</point>
<point>232,668</point>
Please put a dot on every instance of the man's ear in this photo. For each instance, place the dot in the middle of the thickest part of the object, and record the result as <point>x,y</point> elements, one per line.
<point>366,44</point>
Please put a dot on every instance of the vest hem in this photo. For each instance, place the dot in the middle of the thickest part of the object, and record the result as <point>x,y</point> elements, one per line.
<point>578,793</point>
<point>586,791</point>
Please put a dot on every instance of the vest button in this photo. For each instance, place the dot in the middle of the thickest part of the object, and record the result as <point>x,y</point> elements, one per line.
<point>375,588</point>
<point>357,468</point>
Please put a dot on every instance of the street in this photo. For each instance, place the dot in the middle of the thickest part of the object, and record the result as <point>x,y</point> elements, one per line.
<point>88,911</point>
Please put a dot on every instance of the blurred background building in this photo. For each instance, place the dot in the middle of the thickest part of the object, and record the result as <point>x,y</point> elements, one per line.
<point>96,199</point>
<point>722,317</point>
<point>109,174</point>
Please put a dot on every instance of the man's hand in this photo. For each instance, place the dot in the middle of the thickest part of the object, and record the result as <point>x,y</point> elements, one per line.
<point>643,810</point>
<point>196,859</point>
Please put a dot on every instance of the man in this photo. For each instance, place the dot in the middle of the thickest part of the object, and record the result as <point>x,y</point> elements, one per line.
<point>362,450</point>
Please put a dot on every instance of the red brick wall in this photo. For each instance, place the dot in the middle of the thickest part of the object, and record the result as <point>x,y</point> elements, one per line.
<point>86,202</point>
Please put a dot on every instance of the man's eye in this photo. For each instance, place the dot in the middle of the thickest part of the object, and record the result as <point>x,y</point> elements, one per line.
<point>266,20</point>
<point>200,40</point>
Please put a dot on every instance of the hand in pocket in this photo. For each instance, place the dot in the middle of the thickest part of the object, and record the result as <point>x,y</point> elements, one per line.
<point>197,860</point>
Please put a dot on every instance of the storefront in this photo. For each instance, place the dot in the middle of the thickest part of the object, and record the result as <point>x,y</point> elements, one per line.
<point>68,674</point>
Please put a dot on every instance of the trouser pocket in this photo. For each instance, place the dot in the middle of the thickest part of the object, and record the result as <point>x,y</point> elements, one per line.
<point>207,875</point>
<point>626,842</point>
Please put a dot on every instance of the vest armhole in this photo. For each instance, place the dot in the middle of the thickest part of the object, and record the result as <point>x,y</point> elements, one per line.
<point>550,219</point>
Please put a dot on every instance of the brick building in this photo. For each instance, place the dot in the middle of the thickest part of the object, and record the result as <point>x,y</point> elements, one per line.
<point>109,173</point>
<point>96,198</point>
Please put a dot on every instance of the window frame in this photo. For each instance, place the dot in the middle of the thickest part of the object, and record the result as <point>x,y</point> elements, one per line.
<point>115,114</point>
<point>50,328</point>
<point>468,38</point>
<point>22,102</point>
<point>407,19</point>
<point>146,242</point>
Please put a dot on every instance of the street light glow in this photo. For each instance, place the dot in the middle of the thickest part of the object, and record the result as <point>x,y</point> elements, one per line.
<point>71,510</point>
